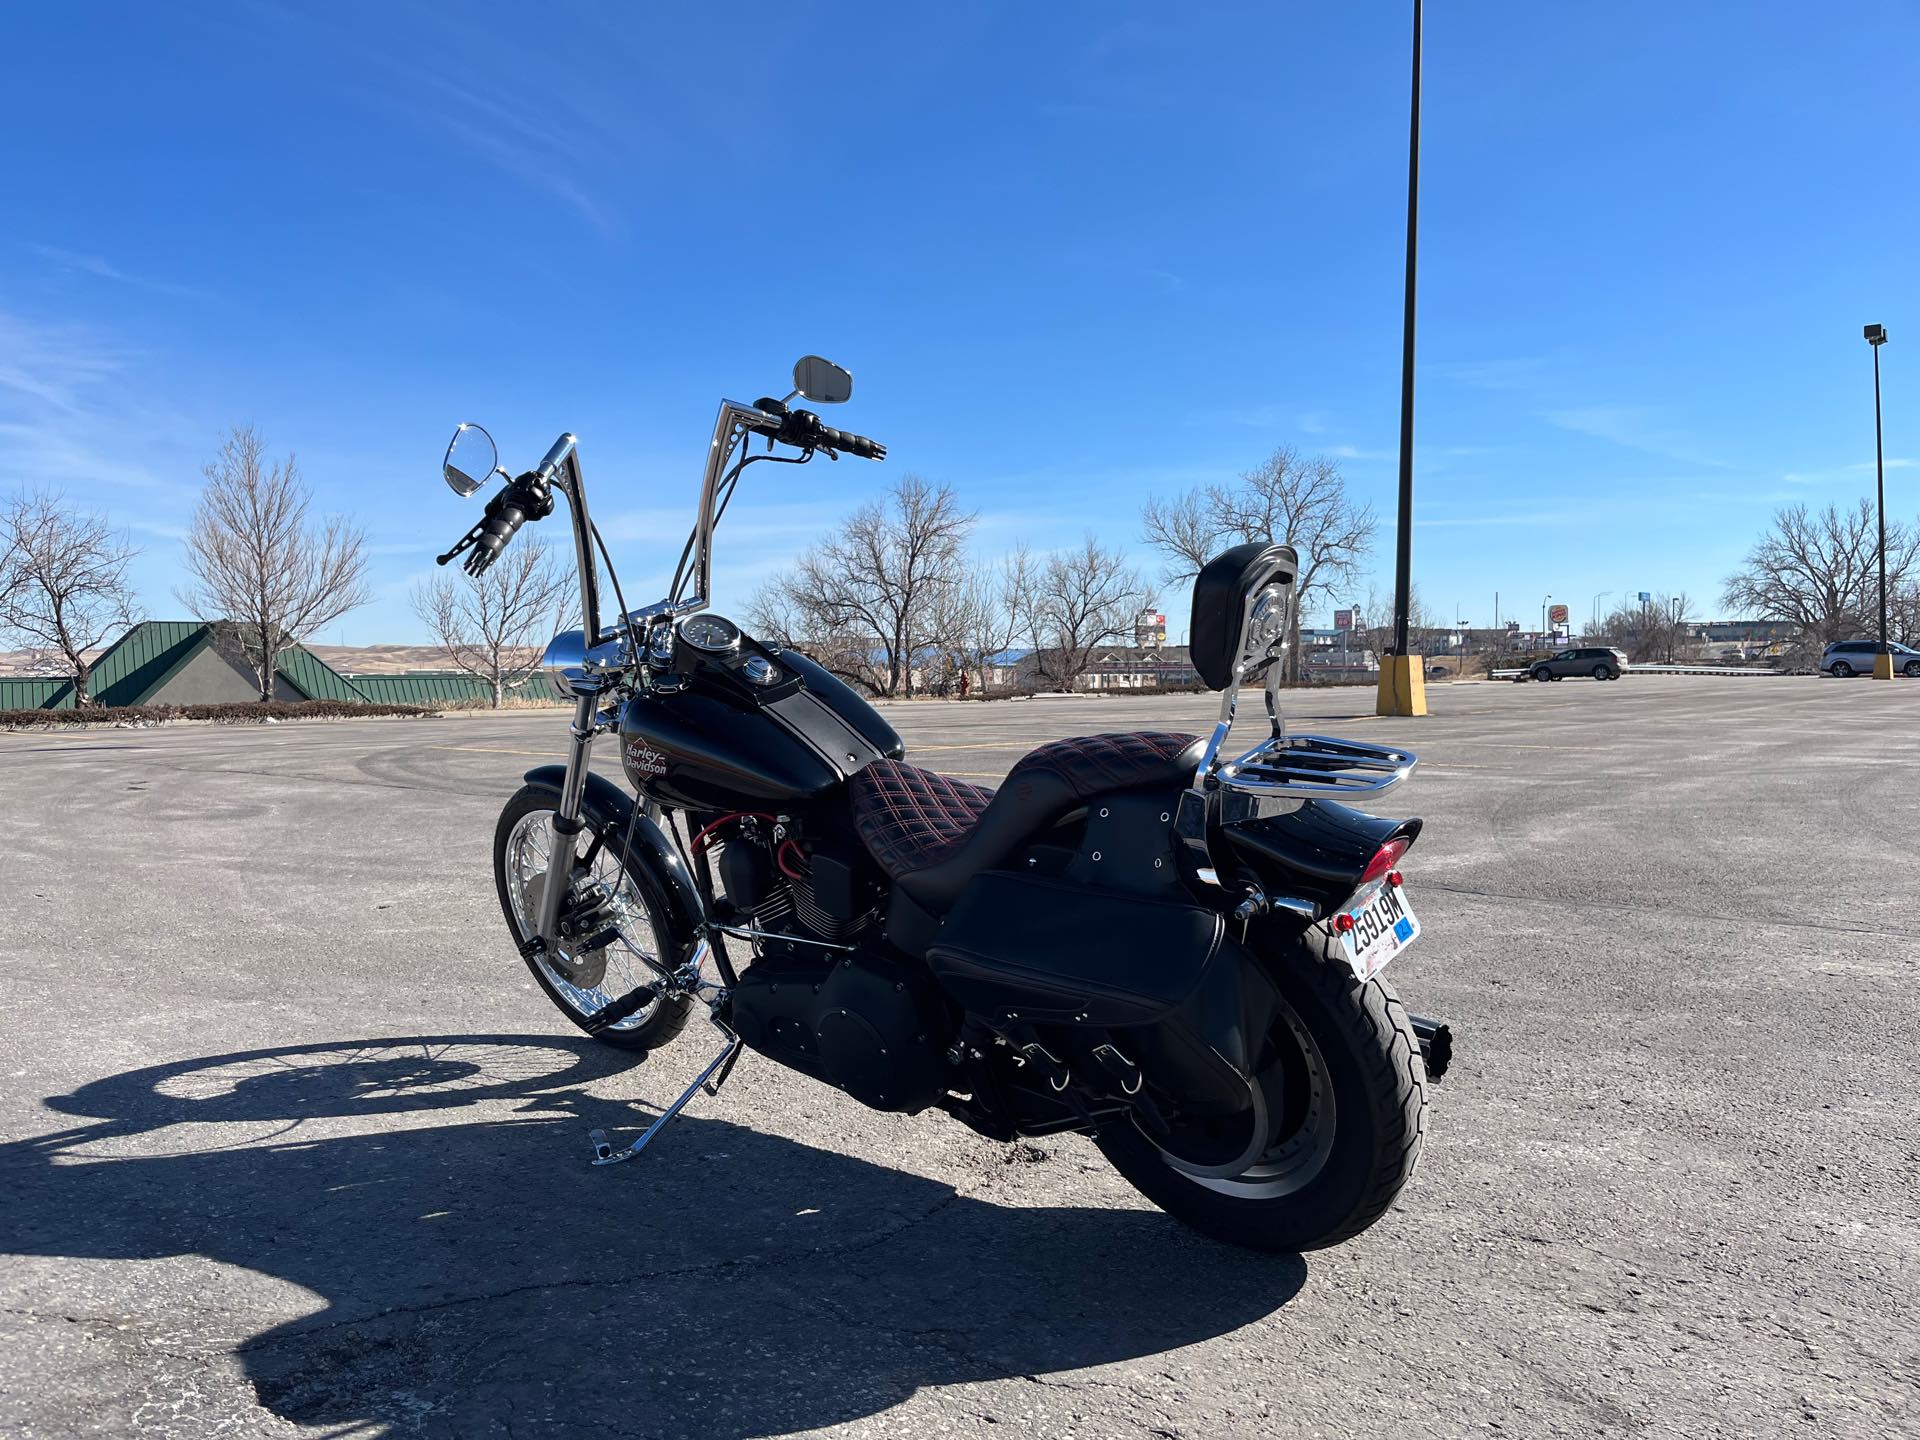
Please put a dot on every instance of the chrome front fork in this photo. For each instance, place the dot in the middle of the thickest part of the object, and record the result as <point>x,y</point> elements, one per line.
<point>567,824</point>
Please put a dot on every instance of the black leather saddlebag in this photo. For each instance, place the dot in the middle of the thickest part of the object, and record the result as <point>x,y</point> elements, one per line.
<point>1158,976</point>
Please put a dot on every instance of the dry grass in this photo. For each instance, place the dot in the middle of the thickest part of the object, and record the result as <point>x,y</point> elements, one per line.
<point>235,712</point>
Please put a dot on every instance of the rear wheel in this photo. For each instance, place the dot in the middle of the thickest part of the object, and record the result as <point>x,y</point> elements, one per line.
<point>1344,1104</point>
<point>1912,667</point>
<point>1602,672</point>
<point>1543,674</point>
<point>1842,669</point>
<point>607,898</point>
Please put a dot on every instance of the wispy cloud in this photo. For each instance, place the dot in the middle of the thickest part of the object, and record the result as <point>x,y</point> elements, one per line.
<point>573,136</point>
<point>1636,428</point>
<point>1520,372</point>
<point>1846,472</point>
<point>104,269</point>
<point>1503,518</point>
<point>60,388</point>
<point>51,364</point>
<point>1273,416</point>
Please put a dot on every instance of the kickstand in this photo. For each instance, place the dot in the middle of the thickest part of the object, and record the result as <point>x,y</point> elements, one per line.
<point>720,1066</point>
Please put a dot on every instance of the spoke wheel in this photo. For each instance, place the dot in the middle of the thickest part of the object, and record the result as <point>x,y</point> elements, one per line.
<point>606,900</point>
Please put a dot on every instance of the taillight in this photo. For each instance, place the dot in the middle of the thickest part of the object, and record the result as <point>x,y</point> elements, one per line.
<point>1384,859</point>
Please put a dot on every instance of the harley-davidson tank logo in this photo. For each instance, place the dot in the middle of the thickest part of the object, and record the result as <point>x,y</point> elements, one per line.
<point>643,759</point>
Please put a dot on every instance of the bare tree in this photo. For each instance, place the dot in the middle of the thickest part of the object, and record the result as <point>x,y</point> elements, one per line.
<point>493,627</point>
<point>1084,598</point>
<point>63,581</point>
<point>1820,572</point>
<point>985,616</point>
<point>1300,502</point>
<point>1662,630</point>
<point>1903,612</point>
<point>866,600</point>
<point>1424,628</point>
<point>256,564</point>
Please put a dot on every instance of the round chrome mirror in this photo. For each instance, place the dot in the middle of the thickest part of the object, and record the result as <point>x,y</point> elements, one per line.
<point>472,459</point>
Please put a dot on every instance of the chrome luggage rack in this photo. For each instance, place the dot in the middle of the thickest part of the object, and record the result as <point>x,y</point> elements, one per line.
<point>1298,766</point>
<point>1309,765</point>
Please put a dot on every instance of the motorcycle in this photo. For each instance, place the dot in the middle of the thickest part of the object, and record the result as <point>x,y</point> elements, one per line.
<point>1138,937</point>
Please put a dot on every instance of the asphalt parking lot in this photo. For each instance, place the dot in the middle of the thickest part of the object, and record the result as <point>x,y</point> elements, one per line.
<point>290,1145</point>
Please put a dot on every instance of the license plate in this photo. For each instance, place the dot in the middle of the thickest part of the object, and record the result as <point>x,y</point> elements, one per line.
<point>1383,926</point>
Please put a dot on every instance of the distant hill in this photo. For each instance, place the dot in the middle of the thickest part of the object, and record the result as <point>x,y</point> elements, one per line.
<point>347,659</point>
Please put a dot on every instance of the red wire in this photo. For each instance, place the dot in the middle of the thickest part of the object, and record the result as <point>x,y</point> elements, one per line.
<point>735,815</point>
<point>780,858</point>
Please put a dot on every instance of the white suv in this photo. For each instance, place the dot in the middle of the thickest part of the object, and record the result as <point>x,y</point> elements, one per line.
<point>1855,657</point>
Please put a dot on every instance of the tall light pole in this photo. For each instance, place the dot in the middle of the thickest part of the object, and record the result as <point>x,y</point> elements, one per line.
<point>1596,609</point>
<point>1876,336</point>
<point>1543,615</point>
<point>1402,683</point>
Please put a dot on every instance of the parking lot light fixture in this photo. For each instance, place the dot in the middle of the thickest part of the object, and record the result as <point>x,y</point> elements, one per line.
<point>1876,336</point>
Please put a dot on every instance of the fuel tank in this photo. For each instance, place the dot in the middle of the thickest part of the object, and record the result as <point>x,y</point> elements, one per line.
<point>717,745</point>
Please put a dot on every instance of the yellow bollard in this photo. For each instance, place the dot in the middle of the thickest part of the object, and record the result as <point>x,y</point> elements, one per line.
<point>1883,666</point>
<point>1403,685</point>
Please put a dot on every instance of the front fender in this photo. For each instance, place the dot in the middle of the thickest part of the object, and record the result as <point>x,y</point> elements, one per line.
<point>609,813</point>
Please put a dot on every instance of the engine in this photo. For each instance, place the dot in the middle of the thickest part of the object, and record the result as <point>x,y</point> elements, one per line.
<point>842,1012</point>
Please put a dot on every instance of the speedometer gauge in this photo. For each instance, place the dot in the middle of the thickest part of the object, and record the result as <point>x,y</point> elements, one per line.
<point>714,634</point>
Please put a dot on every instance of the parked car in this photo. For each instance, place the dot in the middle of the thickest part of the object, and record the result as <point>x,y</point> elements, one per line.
<point>1855,657</point>
<point>1594,660</point>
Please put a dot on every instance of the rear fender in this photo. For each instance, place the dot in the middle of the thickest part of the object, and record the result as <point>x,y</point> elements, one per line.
<point>609,812</point>
<point>1316,852</point>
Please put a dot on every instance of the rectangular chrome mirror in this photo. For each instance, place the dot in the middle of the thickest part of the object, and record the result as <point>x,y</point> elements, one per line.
<point>822,381</point>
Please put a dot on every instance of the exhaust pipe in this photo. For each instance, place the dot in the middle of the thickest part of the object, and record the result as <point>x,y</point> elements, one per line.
<point>1436,1044</point>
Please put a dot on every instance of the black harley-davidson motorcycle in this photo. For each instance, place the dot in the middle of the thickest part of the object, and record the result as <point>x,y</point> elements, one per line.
<point>1138,937</point>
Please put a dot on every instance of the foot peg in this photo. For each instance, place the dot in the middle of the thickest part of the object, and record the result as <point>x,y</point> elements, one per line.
<point>709,1079</point>
<point>632,1003</point>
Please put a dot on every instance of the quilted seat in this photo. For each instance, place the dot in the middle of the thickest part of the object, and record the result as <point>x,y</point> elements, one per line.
<point>932,833</point>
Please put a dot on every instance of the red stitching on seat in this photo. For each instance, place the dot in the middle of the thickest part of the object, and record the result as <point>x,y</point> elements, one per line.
<point>910,818</point>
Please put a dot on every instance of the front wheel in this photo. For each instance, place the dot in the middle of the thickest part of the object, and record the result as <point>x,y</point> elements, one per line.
<point>608,900</point>
<point>1543,674</point>
<point>1912,668</point>
<point>1841,669</point>
<point>1348,1114</point>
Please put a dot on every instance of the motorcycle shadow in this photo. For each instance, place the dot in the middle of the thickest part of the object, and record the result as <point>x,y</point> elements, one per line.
<point>479,1277</point>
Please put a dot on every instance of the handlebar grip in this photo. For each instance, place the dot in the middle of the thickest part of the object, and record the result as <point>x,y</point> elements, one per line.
<point>495,531</point>
<point>848,443</point>
<point>527,498</point>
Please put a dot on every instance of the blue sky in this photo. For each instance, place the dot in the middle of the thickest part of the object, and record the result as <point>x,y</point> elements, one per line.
<point>1075,255</point>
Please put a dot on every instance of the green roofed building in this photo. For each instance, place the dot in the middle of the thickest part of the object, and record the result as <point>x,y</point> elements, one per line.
<point>432,688</point>
<point>180,662</point>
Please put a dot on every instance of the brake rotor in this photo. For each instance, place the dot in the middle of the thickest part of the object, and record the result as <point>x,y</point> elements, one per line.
<point>585,970</point>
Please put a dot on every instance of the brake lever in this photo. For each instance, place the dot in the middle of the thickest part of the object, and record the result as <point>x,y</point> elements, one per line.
<point>465,542</point>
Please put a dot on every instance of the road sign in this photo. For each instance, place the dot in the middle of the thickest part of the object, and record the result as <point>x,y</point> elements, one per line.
<point>1645,596</point>
<point>1343,619</point>
<point>1557,614</point>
